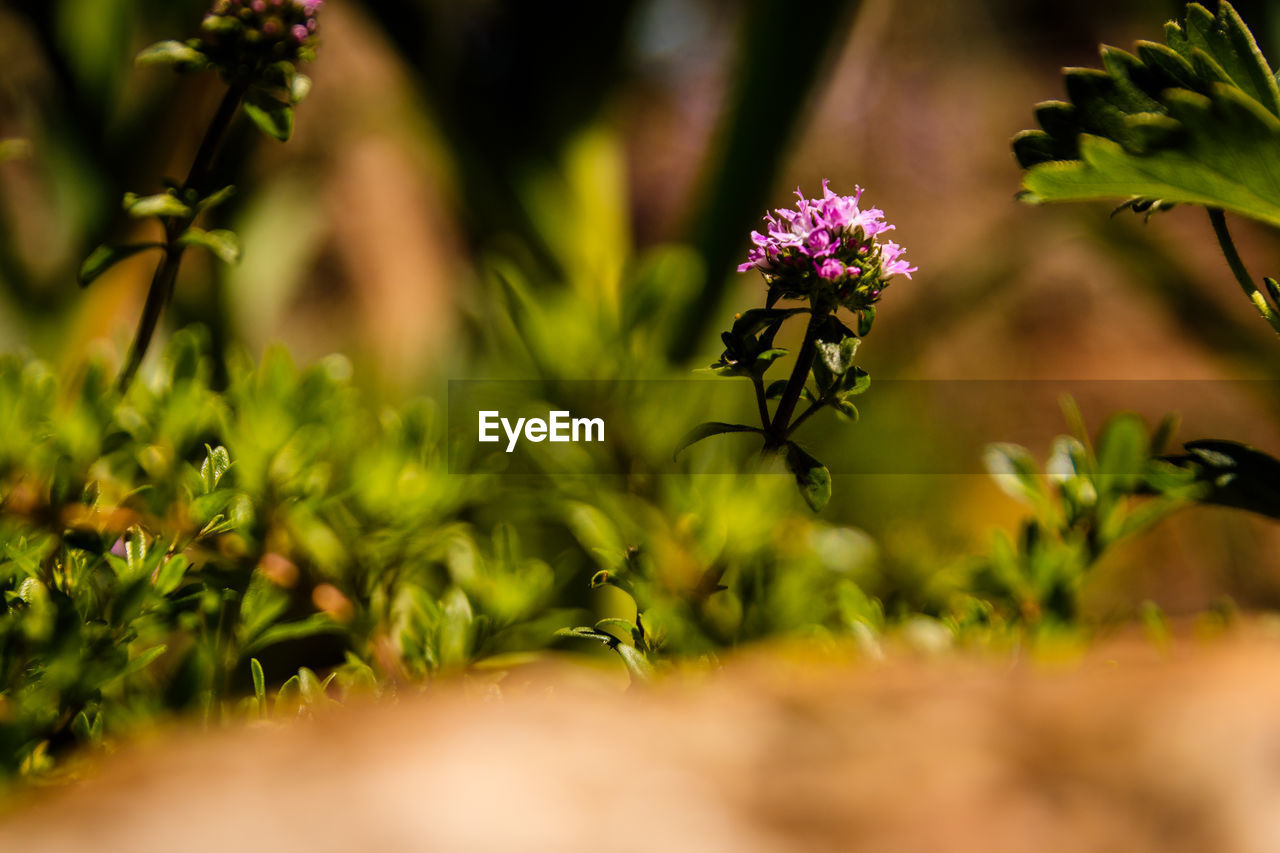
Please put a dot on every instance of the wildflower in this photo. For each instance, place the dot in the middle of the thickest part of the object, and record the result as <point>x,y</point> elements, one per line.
<point>827,249</point>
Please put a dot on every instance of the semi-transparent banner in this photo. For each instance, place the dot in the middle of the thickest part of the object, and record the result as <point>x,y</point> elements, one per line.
<point>516,427</point>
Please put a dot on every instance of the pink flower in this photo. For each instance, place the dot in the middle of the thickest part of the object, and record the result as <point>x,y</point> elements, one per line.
<point>828,238</point>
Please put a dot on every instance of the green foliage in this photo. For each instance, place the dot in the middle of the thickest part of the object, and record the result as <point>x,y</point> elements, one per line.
<point>1192,121</point>
<point>1083,503</point>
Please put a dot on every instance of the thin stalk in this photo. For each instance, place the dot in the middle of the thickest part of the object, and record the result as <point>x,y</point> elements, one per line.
<point>1219,222</point>
<point>166,275</point>
<point>758,383</point>
<point>777,430</point>
<point>804,416</point>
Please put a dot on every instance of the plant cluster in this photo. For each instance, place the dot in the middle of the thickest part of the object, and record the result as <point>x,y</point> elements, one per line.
<point>255,46</point>
<point>828,252</point>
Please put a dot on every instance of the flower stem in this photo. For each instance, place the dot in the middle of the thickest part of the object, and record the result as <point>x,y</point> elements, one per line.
<point>777,430</point>
<point>805,415</point>
<point>1219,222</point>
<point>166,275</point>
<point>757,381</point>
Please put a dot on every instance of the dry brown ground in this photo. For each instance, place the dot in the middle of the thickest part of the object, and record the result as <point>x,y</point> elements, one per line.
<point>1123,752</point>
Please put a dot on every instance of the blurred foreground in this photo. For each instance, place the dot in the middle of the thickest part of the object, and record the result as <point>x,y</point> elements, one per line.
<point>1129,749</point>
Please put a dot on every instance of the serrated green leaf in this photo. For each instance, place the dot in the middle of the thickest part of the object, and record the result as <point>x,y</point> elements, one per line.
<point>1193,122</point>
<point>104,258</point>
<point>224,245</point>
<point>812,477</point>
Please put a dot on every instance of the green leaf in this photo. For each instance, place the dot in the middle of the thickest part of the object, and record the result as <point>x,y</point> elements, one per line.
<point>778,388</point>
<point>161,204</point>
<point>170,574</point>
<point>1015,472</point>
<point>1194,122</point>
<point>846,410</point>
<point>1227,160</point>
<point>313,625</point>
<point>181,55</point>
<point>838,357</point>
<point>812,477</point>
<point>217,462</point>
<point>215,199</point>
<point>104,258</point>
<point>758,319</point>
<point>866,317</point>
<point>1122,453</point>
<point>709,429</point>
<point>224,244</point>
<point>259,686</point>
<point>854,382</point>
<point>637,664</point>
<point>621,626</point>
<point>272,117</point>
<point>138,663</point>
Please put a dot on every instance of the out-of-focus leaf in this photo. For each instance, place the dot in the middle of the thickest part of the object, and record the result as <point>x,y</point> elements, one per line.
<point>225,245</point>
<point>104,258</point>
<point>161,204</point>
<point>181,55</point>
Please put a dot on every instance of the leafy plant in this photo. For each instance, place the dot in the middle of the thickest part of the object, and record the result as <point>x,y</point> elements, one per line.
<point>255,48</point>
<point>827,252</point>
<point>1084,501</point>
<point>1195,120</point>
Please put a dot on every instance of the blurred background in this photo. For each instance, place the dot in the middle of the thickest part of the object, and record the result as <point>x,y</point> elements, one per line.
<point>504,189</point>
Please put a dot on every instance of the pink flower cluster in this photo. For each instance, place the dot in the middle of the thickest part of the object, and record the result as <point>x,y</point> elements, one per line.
<point>284,22</point>
<point>831,238</point>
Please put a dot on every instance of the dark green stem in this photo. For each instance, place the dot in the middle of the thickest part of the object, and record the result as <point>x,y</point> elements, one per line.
<point>777,430</point>
<point>805,415</point>
<point>1219,222</point>
<point>757,382</point>
<point>166,276</point>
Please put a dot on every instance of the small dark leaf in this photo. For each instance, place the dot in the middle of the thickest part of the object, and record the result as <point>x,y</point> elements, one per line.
<point>104,258</point>
<point>812,477</point>
<point>866,317</point>
<point>707,430</point>
<point>272,117</point>
<point>1238,475</point>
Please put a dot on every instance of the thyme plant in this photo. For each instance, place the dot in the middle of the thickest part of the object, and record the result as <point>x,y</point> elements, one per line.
<point>255,46</point>
<point>828,253</point>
